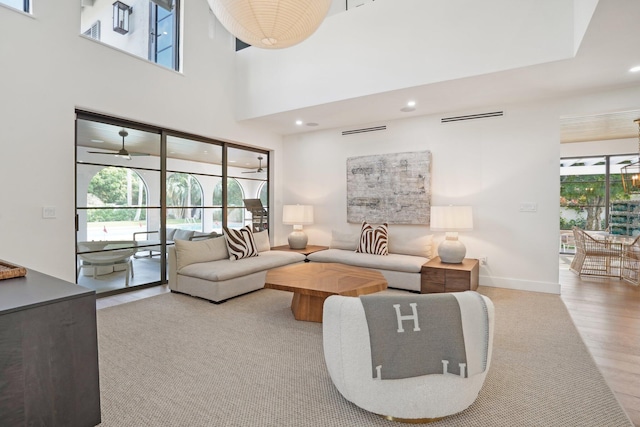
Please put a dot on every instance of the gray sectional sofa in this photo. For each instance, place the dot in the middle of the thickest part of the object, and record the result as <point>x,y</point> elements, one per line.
<point>203,268</point>
<point>402,267</point>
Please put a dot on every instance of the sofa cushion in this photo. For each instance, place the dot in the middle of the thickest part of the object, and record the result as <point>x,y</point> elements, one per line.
<point>188,252</point>
<point>373,240</point>
<point>394,262</point>
<point>227,269</point>
<point>199,235</point>
<point>418,246</point>
<point>240,243</point>
<point>170,233</point>
<point>183,234</point>
<point>344,240</point>
<point>262,241</point>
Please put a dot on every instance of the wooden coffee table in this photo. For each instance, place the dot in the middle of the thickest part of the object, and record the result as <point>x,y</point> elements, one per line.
<point>312,282</point>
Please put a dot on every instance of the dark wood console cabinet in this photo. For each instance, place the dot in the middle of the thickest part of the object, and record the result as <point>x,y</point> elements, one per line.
<point>48,353</point>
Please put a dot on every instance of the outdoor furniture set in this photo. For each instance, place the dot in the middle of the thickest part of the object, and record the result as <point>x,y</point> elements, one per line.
<point>605,255</point>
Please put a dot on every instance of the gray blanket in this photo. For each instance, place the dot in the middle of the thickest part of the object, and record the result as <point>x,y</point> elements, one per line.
<point>403,345</point>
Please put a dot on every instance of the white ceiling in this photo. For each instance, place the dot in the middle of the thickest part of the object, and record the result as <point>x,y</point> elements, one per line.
<point>609,49</point>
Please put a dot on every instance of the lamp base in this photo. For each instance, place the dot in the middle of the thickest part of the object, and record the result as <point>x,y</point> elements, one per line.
<point>451,251</point>
<point>297,239</point>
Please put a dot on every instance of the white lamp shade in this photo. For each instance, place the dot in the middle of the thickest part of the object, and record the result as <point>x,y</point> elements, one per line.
<point>271,24</point>
<point>297,214</point>
<point>451,218</point>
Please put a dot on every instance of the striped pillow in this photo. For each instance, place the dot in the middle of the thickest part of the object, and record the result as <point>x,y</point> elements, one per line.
<point>240,243</point>
<point>374,240</point>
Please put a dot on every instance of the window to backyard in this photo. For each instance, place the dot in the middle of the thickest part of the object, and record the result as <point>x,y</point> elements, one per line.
<point>592,197</point>
<point>189,186</point>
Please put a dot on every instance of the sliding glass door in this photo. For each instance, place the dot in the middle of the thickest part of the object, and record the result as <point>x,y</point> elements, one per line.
<point>140,188</point>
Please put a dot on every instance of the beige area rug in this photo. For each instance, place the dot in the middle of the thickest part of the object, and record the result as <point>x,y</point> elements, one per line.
<point>174,360</point>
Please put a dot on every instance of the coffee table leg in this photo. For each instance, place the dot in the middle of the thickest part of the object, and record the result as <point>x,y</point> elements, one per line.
<point>307,307</point>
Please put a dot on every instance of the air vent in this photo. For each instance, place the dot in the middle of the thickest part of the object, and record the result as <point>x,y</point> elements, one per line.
<point>472,117</point>
<point>354,131</point>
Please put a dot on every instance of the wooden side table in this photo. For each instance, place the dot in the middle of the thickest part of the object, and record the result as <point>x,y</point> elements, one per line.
<point>306,251</point>
<point>437,276</point>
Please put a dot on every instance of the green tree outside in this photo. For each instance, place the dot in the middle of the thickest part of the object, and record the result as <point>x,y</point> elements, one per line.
<point>234,198</point>
<point>587,193</point>
<point>119,188</point>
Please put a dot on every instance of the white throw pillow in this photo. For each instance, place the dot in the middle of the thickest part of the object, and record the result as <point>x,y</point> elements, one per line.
<point>262,241</point>
<point>417,246</point>
<point>188,252</point>
<point>342,240</point>
<point>240,243</point>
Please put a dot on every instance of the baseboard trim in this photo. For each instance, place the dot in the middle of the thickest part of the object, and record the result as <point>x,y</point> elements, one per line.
<point>520,285</point>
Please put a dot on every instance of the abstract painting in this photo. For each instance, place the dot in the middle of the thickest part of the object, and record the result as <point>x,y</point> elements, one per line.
<point>392,188</point>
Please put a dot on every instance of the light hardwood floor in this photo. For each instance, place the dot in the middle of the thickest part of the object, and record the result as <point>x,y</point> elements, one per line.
<point>605,311</point>
<point>607,315</point>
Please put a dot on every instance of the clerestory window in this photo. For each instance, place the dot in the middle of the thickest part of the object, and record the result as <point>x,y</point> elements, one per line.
<point>23,5</point>
<point>145,28</point>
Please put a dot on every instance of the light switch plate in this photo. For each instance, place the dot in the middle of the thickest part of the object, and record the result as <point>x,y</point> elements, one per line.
<point>528,207</point>
<point>48,212</point>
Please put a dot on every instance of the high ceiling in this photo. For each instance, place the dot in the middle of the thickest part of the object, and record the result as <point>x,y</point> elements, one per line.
<point>607,52</point>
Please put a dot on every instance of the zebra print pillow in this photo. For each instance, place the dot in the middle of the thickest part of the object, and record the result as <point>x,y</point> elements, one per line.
<point>240,243</point>
<point>374,240</point>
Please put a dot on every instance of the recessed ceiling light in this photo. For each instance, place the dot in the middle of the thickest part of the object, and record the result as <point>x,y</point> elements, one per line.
<point>299,122</point>
<point>232,161</point>
<point>635,69</point>
<point>97,140</point>
<point>411,104</point>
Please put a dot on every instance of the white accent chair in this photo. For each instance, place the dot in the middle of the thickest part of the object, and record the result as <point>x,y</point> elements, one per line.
<point>418,399</point>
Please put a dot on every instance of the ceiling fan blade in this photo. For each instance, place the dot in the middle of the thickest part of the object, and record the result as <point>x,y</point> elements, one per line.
<point>139,154</point>
<point>113,153</point>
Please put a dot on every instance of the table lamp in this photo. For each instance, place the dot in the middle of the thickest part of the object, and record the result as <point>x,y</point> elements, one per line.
<point>451,219</point>
<point>297,215</point>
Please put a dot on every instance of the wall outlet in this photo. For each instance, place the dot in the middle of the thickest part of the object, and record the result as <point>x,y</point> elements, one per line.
<point>483,260</point>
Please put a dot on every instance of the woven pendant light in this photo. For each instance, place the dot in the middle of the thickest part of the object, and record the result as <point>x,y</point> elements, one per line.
<point>271,24</point>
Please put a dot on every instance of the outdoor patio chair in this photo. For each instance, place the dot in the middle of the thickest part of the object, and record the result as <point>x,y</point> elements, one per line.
<point>596,256</point>
<point>631,262</point>
<point>107,254</point>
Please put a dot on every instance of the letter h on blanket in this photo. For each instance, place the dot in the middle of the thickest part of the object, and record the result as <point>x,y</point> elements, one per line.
<point>442,337</point>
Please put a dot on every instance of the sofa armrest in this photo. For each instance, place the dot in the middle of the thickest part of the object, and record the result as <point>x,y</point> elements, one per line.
<point>143,232</point>
<point>173,265</point>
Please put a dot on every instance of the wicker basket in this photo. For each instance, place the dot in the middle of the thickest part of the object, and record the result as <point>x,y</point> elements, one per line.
<point>8,271</point>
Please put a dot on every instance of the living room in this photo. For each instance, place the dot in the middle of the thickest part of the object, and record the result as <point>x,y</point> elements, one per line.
<point>494,164</point>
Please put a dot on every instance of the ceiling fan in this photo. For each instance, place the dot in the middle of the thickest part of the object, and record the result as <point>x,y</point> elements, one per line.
<point>259,170</point>
<point>123,153</point>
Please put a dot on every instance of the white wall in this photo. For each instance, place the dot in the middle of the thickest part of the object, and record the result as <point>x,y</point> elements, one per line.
<point>47,70</point>
<point>491,164</point>
<point>389,45</point>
